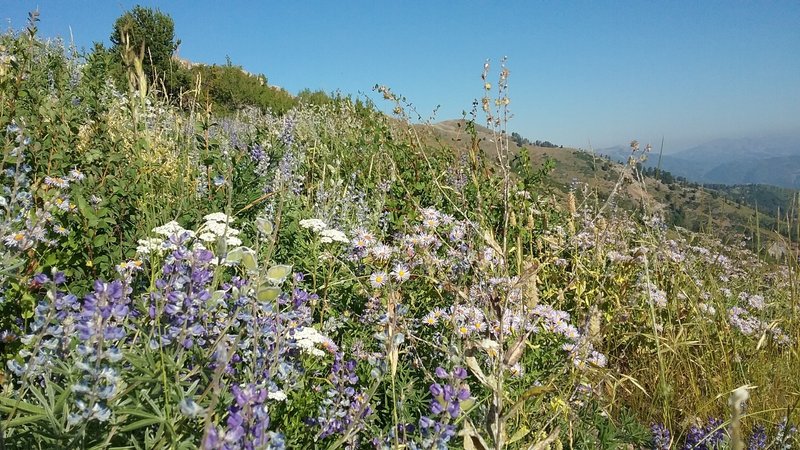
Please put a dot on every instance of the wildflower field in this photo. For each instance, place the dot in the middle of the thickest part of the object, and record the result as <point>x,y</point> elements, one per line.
<point>332,277</point>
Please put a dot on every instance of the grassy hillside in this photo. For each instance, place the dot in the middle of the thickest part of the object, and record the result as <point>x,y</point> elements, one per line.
<point>729,213</point>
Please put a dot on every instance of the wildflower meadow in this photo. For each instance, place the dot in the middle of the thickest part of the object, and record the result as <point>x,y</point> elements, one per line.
<point>335,277</point>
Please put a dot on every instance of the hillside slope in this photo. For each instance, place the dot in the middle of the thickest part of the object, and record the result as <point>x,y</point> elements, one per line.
<point>683,204</point>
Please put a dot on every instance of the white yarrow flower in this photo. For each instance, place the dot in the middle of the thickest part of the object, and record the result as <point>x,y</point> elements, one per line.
<point>329,236</point>
<point>170,228</point>
<point>220,228</point>
<point>278,395</point>
<point>148,246</point>
<point>307,339</point>
<point>313,224</point>
<point>218,217</point>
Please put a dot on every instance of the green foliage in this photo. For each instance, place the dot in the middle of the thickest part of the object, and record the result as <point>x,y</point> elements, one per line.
<point>229,88</point>
<point>319,98</point>
<point>531,177</point>
<point>150,33</point>
<point>521,141</point>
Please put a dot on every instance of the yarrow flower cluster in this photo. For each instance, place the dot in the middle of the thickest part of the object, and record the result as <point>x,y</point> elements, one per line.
<point>215,233</point>
<point>217,230</point>
<point>308,338</point>
<point>327,235</point>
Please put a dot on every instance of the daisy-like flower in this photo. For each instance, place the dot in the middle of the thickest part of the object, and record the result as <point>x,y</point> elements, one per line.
<point>431,223</point>
<point>446,219</point>
<point>17,240</point>
<point>382,252</point>
<point>132,266</point>
<point>313,224</point>
<point>463,330</point>
<point>430,214</point>
<point>439,313</point>
<point>362,238</point>
<point>56,182</point>
<point>59,229</point>
<point>401,273</point>
<point>457,233</point>
<point>430,319</point>
<point>62,203</point>
<point>515,370</point>
<point>479,326</point>
<point>377,279</point>
<point>598,359</point>
<point>76,175</point>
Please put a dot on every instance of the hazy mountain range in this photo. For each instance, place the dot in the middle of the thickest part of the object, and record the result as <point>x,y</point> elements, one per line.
<point>771,160</point>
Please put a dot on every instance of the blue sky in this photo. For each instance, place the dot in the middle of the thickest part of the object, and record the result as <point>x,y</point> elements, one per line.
<point>581,72</point>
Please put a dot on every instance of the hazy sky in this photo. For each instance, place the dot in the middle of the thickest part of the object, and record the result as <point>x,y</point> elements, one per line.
<point>599,72</point>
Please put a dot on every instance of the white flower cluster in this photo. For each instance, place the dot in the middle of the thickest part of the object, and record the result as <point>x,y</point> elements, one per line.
<point>157,246</point>
<point>218,225</point>
<point>171,228</point>
<point>150,246</point>
<point>315,225</point>
<point>278,395</point>
<point>327,235</point>
<point>308,338</point>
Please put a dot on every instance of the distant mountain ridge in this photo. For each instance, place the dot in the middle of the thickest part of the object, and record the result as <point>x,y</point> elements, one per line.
<point>723,210</point>
<point>771,160</point>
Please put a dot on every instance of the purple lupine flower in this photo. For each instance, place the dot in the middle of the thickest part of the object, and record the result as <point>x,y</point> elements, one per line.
<point>257,153</point>
<point>662,439</point>
<point>715,433</point>
<point>344,408</point>
<point>247,426</point>
<point>758,438</point>
<point>695,439</point>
